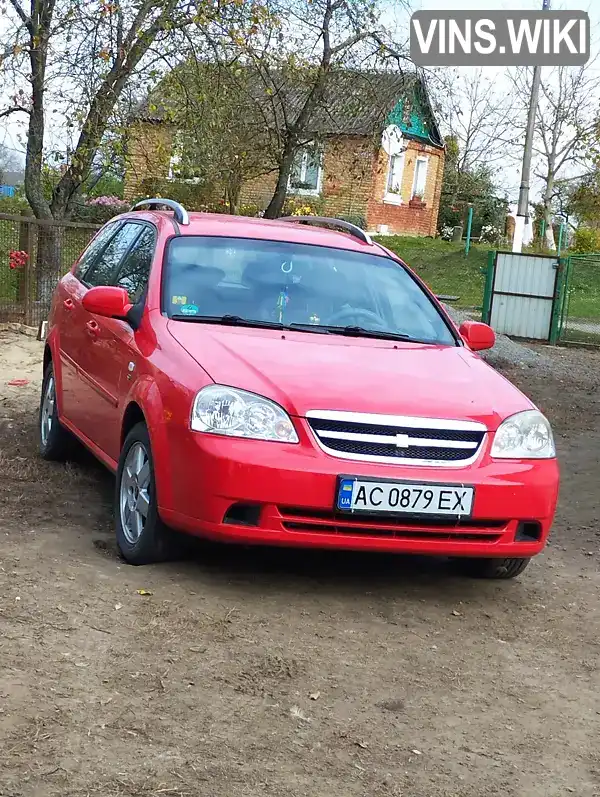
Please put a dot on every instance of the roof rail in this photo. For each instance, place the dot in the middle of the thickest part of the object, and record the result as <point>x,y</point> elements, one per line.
<point>326,222</point>
<point>180,213</point>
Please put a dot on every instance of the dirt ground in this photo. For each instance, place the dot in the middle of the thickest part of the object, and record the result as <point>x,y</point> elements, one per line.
<point>284,673</point>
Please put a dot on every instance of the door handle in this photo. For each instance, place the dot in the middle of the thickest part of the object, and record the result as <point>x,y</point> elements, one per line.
<point>68,304</point>
<point>93,329</point>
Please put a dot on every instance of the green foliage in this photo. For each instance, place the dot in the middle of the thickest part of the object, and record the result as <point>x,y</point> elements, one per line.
<point>303,206</point>
<point>15,205</point>
<point>193,196</point>
<point>585,240</point>
<point>107,185</point>
<point>223,139</point>
<point>358,221</point>
<point>96,214</point>
<point>472,186</point>
<point>584,199</point>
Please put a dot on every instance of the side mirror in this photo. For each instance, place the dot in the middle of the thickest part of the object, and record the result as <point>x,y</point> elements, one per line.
<point>107,301</point>
<point>477,336</point>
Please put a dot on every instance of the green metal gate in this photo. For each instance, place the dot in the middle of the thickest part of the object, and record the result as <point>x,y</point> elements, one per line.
<point>525,294</point>
<point>580,313</point>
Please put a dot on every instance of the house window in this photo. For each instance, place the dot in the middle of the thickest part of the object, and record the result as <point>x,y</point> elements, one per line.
<point>305,177</point>
<point>393,190</point>
<point>420,178</point>
<point>175,160</point>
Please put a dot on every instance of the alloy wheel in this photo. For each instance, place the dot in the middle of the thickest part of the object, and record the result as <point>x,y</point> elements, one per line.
<point>134,492</point>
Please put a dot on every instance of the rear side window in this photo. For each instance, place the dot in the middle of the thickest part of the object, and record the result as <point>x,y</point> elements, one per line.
<point>103,269</point>
<point>135,269</point>
<point>94,248</point>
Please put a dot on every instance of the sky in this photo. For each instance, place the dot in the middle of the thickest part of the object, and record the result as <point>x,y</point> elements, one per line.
<point>396,19</point>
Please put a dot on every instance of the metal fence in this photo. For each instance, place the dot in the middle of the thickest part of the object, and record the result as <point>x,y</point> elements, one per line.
<point>34,255</point>
<point>580,317</point>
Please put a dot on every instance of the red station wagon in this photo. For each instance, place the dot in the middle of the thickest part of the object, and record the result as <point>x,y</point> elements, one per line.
<point>293,383</point>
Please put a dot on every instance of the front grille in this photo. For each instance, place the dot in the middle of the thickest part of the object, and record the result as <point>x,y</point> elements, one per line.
<point>397,439</point>
<point>328,522</point>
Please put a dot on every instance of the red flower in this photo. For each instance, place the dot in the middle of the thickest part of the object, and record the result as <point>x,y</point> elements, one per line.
<point>17,259</point>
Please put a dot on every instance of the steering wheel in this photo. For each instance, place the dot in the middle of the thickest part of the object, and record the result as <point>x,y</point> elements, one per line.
<point>347,315</point>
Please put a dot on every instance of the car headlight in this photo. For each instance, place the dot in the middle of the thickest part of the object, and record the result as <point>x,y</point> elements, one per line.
<point>237,413</point>
<point>526,435</point>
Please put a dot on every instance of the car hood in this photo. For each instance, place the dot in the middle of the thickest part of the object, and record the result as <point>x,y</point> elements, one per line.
<point>307,371</point>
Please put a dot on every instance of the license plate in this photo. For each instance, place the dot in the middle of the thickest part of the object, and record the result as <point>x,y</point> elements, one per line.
<point>360,495</point>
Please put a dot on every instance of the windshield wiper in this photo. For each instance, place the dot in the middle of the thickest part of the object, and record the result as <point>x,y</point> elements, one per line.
<point>228,320</point>
<point>323,329</point>
<point>362,332</point>
<point>238,321</point>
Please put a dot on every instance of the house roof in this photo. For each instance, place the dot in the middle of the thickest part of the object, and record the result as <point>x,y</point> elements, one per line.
<point>358,103</point>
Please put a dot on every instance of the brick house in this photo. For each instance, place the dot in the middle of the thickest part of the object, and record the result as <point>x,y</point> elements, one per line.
<point>374,156</point>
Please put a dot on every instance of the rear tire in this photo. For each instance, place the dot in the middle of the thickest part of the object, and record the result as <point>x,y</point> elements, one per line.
<point>142,537</point>
<point>494,568</point>
<point>55,442</point>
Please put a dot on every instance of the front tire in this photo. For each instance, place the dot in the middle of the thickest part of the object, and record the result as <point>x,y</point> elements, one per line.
<point>142,537</point>
<point>55,441</point>
<point>494,568</point>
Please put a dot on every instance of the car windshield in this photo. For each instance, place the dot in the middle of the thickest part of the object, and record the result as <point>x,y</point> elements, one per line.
<point>315,288</point>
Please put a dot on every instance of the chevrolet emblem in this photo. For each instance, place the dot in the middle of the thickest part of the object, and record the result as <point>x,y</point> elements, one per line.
<point>402,441</point>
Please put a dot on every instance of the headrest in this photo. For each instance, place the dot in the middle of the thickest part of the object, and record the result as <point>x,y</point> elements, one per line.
<point>202,276</point>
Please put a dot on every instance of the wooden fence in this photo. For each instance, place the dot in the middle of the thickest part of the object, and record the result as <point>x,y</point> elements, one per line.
<point>34,255</point>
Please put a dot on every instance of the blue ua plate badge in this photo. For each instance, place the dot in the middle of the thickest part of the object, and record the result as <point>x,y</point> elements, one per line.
<point>345,494</point>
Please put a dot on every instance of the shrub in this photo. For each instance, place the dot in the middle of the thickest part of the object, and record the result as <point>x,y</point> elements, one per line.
<point>107,185</point>
<point>356,219</point>
<point>490,234</point>
<point>193,196</point>
<point>302,206</point>
<point>586,239</point>
<point>250,210</point>
<point>14,205</point>
<point>100,209</point>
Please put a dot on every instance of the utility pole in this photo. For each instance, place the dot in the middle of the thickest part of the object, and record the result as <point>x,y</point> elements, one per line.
<point>523,206</point>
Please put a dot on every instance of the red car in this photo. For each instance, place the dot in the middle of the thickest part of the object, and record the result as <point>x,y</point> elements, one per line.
<point>286,383</point>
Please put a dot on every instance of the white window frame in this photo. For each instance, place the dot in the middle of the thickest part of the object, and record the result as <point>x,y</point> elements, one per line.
<point>175,158</point>
<point>420,159</point>
<point>175,162</point>
<point>308,191</point>
<point>390,197</point>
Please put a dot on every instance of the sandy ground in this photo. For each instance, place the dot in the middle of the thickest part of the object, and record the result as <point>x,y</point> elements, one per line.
<point>287,673</point>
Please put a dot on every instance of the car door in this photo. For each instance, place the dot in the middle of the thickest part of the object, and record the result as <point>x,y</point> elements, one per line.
<point>95,338</point>
<point>67,317</point>
<point>108,362</point>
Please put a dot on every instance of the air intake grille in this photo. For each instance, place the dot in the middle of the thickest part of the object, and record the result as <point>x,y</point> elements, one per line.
<point>417,440</point>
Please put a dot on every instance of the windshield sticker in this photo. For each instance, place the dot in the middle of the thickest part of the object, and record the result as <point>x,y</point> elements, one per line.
<point>179,300</point>
<point>189,309</point>
<point>287,267</point>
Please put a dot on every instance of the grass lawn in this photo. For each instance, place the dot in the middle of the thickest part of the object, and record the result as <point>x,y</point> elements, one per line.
<point>584,288</point>
<point>443,266</point>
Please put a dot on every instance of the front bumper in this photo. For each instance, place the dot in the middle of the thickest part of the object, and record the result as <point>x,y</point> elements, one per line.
<point>255,492</point>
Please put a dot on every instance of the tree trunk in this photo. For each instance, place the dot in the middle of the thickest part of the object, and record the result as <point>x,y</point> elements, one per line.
<point>548,215</point>
<point>277,202</point>
<point>48,262</point>
<point>233,190</point>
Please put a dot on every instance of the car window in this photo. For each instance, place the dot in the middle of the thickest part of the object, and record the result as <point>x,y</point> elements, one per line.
<point>104,267</point>
<point>292,283</point>
<point>135,268</point>
<point>94,248</point>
